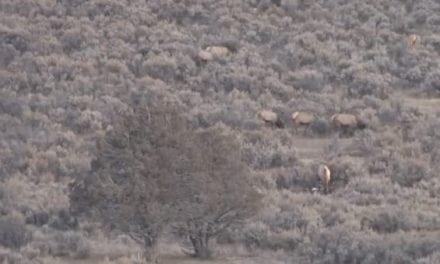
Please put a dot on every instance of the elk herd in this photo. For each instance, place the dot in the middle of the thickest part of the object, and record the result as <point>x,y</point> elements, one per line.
<point>343,122</point>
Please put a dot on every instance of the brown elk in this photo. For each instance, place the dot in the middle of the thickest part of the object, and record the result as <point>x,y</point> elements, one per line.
<point>303,119</point>
<point>270,118</point>
<point>205,55</point>
<point>413,39</point>
<point>211,52</point>
<point>347,122</point>
<point>218,51</point>
<point>325,177</point>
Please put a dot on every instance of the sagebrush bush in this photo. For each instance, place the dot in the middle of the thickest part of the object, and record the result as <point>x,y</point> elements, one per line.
<point>321,127</point>
<point>408,172</point>
<point>69,70</point>
<point>263,151</point>
<point>64,220</point>
<point>69,244</point>
<point>297,177</point>
<point>13,234</point>
<point>17,39</point>
<point>72,40</point>
<point>38,218</point>
<point>388,221</point>
<point>308,80</point>
<point>13,257</point>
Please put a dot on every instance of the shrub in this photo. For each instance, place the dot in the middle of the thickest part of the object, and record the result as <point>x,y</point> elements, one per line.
<point>308,80</point>
<point>432,82</point>
<point>12,257</point>
<point>343,170</point>
<point>38,218</point>
<point>72,40</point>
<point>298,176</point>
<point>255,235</point>
<point>408,172</point>
<point>388,221</point>
<point>13,234</point>
<point>267,150</point>
<point>160,67</point>
<point>69,244</point>
<point>18,41</point>
<point>7,55</point>
<point>64,220</point>
<point>321,127</point>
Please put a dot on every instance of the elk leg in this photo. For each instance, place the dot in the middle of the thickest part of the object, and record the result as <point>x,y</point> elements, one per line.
<point>295,129</point>
<point>306,129</point>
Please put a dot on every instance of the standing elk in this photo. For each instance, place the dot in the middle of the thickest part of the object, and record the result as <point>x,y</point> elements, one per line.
<point>347,122</point>
<point>413,39</point>
<point>271,118</point>
<point>303,119</point>
<point>325,177</point>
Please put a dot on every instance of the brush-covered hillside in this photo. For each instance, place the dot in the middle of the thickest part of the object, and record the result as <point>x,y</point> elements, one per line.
<point>72,72</point>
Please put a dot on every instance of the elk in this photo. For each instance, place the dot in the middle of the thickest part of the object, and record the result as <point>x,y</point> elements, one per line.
<point>413,39</point>
<point>204,55</point>
<point>271,118</point>
<point>212,52</point>
<point>217,51</point>
<point>325,176</point>
<point>347,122</point>
<point>303,119</point>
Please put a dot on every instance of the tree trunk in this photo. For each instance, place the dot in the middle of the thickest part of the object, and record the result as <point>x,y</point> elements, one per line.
<point>150,247</point>
<point>200,242</point>
<point>151,255</point>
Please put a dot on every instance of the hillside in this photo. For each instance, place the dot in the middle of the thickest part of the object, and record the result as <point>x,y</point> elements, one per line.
<point>70,68</point>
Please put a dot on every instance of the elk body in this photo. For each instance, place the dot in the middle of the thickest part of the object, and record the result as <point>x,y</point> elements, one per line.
<point>218,51</point>
<point>413,39</point>
<point>347,122</point>
<point>325,177</point>
<point>271,118</point>
<point>205,55</point>
<point>212,52</point>
<point>303,119</point>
